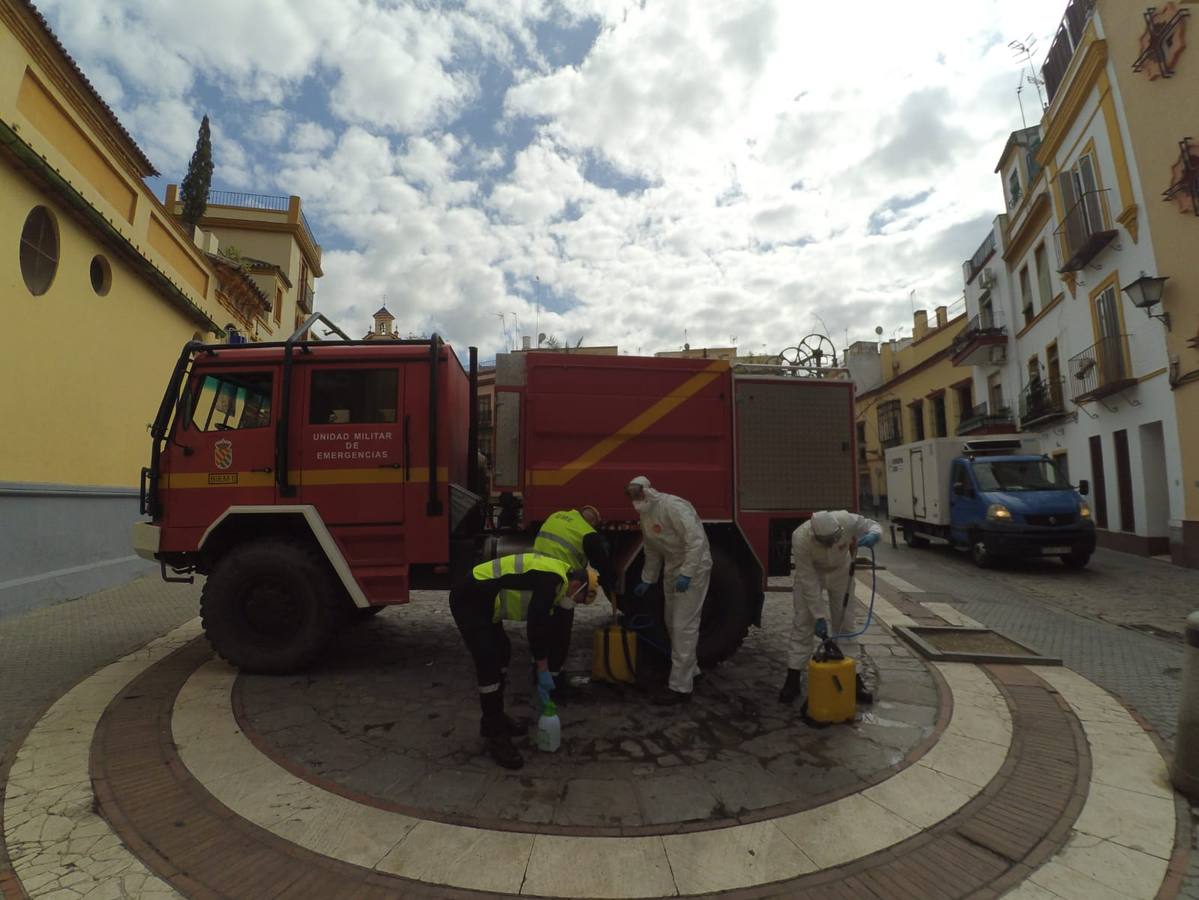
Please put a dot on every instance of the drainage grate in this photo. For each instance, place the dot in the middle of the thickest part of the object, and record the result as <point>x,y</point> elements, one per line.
<point>976,645</point>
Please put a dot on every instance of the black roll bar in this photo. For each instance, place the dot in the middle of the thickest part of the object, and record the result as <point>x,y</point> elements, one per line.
<point>433,507</point>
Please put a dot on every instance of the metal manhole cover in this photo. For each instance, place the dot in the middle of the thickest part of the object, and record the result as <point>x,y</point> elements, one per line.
<point>977,645</point>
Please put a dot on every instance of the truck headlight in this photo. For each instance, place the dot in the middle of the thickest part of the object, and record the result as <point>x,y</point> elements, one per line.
<point>1084,510</point>
<point>997,512</point>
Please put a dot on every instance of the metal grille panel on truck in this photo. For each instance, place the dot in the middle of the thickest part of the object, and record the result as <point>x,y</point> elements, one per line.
<point>795,446</point>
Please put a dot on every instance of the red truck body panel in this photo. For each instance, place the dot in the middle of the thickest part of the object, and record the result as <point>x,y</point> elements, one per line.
<point>591,424</point>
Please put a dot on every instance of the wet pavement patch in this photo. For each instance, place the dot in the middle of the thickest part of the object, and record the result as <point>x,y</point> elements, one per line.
<point>392,715</point>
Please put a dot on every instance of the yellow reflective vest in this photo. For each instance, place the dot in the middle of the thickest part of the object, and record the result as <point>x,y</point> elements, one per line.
<point>513,605</point>
<point>562,535</point>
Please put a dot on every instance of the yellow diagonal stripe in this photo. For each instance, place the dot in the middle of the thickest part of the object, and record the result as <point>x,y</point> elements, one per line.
<point>607,446</point>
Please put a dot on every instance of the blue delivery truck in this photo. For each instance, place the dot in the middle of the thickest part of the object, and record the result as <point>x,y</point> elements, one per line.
<point>997,497</point>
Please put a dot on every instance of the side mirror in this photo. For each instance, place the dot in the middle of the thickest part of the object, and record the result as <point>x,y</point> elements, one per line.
<point>1084,487</point>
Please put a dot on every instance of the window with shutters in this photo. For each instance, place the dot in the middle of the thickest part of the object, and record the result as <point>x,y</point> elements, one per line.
<point>1086,227</point>
<point>1044,286</point>
<point>1026,301</point>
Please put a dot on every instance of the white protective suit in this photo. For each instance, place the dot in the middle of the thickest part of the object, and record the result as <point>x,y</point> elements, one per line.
<point>821,579</point>
<point>674,536</point>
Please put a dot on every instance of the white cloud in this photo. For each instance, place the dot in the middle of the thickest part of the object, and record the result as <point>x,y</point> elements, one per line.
<point>708,168</point>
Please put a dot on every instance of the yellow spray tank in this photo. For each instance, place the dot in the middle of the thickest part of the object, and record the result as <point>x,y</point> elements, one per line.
<point>832,694</point>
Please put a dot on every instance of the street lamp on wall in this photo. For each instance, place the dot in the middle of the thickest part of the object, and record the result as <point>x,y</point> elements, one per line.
<point>1146,292</point>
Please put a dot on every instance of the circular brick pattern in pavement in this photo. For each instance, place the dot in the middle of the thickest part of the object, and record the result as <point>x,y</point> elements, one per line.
<point>390,718</point>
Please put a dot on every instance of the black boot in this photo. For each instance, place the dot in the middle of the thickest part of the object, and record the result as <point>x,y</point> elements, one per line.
<point>791,687</point>
<point>507,725</point>
<point>865,697</point>
<point>496,731</point>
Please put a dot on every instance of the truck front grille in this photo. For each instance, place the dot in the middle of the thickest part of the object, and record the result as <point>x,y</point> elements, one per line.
<point>1055,521</point>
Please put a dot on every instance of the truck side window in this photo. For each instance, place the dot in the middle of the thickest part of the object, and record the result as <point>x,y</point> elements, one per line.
<point>962,477</point>
<point>233,401</point>
<point>353,396</point>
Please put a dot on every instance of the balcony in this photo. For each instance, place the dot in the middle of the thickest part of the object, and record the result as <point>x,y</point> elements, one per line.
<point>982,420</point>
<point>1102,369</point>
<point>264,202</point>
<point>1065,43</point>
<point>1042,401</point>
<point>975,346</point>
<point>306,298</point>
<point>1085,231</point>
<point>975,264</point>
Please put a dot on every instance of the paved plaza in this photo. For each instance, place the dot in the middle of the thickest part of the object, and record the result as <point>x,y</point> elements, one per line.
<point>137,764</point>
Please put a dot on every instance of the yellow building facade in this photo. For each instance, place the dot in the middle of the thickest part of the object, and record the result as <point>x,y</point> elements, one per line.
<point>101,288</point>
<point>922,395</point>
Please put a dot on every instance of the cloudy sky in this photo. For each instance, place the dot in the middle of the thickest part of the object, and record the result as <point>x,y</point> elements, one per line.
<point>632,172</point>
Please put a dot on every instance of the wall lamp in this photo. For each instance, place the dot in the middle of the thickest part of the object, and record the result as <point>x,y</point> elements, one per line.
<point>1146,292</point>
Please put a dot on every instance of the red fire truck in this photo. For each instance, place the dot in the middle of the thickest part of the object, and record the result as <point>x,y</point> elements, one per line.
<point>316,481</point>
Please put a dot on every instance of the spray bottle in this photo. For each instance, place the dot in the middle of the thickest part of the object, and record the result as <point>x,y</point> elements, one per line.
<point>549,728</point>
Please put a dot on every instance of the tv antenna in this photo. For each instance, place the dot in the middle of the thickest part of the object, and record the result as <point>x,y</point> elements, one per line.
<point>1026,51</point>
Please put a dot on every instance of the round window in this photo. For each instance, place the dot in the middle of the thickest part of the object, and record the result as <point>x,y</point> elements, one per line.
<point>101,273</point>
<point>39,250</point>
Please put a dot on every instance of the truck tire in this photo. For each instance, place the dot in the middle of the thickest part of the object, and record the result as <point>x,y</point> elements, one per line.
<point>727,611</point>
<point>979,553</point>
<point>1077,560</point>
<point>270,606</point>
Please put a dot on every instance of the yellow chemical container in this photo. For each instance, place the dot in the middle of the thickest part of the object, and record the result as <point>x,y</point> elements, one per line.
<point>832,693</point>
<point>614,655</point>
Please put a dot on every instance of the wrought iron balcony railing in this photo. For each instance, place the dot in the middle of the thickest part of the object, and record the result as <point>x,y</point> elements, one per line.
<point>981,331</point>
<point>1085,231</point>
<point>979,259</point>
<point>268,202</point>
<point>306,298</point>
<point>1101,369</point>
<point>983,416</point>
<point>1041,400</point>
<point>1065,43</point>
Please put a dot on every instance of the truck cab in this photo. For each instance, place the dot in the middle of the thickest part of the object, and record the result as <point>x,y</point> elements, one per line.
<point>993,497</point>
<point>1018,507</point>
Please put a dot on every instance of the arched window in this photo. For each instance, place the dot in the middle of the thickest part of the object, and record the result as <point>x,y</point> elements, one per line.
<point>39,250</point>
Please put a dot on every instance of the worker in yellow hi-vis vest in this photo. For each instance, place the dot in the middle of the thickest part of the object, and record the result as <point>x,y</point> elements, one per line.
<point>522,587</point>
<point>572,536</point>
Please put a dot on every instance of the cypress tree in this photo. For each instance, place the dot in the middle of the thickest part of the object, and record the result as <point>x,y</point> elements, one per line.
<point>194,191</point>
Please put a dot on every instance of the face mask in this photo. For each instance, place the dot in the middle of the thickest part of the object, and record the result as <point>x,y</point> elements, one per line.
<point>641,505</point>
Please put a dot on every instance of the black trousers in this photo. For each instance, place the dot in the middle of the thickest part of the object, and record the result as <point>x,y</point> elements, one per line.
<point>564,620</point>
<point>472,605</point>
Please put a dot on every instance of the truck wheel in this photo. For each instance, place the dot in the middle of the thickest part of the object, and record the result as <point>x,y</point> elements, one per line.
<point>979,553</point>
<point>913,540</point>
<point>1077,560</point>
<point>726,616</point>
<point>270,606</point>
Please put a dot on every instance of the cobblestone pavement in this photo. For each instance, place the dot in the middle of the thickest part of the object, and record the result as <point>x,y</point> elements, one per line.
<point>44,652</point>
<point>1118,622</point>
<point>391,713</point>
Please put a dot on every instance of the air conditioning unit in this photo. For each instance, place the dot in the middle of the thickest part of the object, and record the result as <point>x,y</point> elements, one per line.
<point>986,280</point>
<point>998,354</point>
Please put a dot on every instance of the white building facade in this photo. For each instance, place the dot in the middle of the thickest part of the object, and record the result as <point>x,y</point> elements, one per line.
<point>1056,347</point>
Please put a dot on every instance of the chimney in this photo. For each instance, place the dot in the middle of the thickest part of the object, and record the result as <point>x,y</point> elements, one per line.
<point>942,316</point>
<point>920,329</point>
<point>526,342</point>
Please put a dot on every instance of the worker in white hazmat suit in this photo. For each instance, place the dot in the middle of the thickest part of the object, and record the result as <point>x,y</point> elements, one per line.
<point>675,541</point>
<point>823,549</point>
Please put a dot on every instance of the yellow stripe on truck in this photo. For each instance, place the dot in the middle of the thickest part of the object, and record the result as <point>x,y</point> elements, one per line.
<point>651,416</point>
<point>299,477</point>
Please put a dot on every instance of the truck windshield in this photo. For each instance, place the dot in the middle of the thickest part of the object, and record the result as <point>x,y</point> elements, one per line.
<point>1019,475</point>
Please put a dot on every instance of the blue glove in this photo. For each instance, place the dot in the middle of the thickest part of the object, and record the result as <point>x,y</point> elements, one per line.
<point>821,629</point>
<point>545,684</point>
<point>642,589</point>
<point>868,540</point>
<point>682,583</point>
